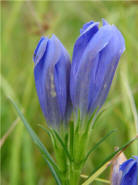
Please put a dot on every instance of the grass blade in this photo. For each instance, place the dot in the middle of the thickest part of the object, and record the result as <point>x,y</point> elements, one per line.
<point>55,175</point>
<point>132,103</point>
<point>95,175</point>
<point>46,130</point>
<point>96,172</point>
<point>39,144</point>
<point>97,116</point>
<point>97,144</point>
<point>50,134</point>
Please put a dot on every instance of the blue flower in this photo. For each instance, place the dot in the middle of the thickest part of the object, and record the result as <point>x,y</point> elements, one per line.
<point>129,172</point>
<point>95,58</point>
<point>52,73</point>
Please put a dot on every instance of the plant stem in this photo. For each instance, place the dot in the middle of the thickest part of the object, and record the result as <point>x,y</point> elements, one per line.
<point>74,174</point>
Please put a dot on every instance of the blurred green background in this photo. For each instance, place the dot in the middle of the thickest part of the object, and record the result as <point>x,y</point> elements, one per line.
<point>23,23</point>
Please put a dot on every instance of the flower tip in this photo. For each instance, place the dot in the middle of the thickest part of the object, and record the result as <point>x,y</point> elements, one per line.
<point>104,22</point>
<point>55,39</point>
<point>40,49</point>
<point>85,26</point>
<point>53,36</point>
<point>136,157</point>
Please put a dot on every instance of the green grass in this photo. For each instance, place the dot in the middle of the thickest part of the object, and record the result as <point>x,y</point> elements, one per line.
<point>23,24</point>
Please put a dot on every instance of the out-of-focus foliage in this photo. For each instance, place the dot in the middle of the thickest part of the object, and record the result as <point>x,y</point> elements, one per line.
<point>22,24</point>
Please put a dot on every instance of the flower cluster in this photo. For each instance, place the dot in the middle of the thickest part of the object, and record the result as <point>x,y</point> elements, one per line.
<point>84,84</point>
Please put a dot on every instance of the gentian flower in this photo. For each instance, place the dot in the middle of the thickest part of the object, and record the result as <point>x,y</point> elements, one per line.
<point>52,73</point>
<point>95,58</point>
<point>129,172</point>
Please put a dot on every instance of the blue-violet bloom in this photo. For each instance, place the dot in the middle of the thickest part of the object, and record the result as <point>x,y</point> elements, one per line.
<point>129,172</point>
<point>52,74</point>
<point>95,58</point>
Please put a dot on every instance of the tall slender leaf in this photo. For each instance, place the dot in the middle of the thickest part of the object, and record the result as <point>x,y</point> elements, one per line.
<point>43,150</point>
<point>50,134</point>
<point>97,144</point>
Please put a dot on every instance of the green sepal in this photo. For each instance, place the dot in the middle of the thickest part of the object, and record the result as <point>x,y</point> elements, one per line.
<point>71,127</point>
<point>62,144</point>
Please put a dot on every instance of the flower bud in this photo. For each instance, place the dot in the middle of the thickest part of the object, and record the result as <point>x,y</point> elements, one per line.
<point>52,73</point>
<point>95,58</point>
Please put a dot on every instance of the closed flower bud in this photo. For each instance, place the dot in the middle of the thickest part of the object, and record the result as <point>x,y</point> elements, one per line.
<point>95,58</point>
<point>129,172</point>
<point>52,73</point>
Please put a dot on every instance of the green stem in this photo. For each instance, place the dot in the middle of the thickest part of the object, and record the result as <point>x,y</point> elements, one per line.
<point>74,175</point>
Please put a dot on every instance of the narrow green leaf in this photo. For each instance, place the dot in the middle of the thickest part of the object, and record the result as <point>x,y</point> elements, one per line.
<point>97,144</point>
<point>46,130</point>
<point>91,120</point>
<point>71,137</point>
<point>43,150</point>
<point>114,153</point>
<point>102,180</point>
<point>97,116</point>
<point>32,133</point>
<point>50,135</point>
<point>78,122</point>
<point>62,144</point>
<point>132,102</point>
<point>55,175</point>
<point>96,172</point>
<point>66,139</point>
<point>96,179</point>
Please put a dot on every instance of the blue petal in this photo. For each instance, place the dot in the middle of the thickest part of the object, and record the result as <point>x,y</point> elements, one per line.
<point>78,51</point>
<point>86,26</point>
<point>40,49</point>
<point>107,64</point>
<point>81,44</point>
<point>125,167</point>
<point>46,82</point>
<point>86,65</point>
<point>61,77</point>
<point>104,22</point>
<point>130,173</point>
